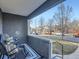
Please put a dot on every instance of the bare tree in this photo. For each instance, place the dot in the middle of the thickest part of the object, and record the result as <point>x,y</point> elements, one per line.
<point>74,25</point>
<point>41,24</point>
<point>63,16</point>
<point>50,25</point>
<point>34,21</point>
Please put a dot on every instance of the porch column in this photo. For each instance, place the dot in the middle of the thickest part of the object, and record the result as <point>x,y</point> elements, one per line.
<point>1,22</point>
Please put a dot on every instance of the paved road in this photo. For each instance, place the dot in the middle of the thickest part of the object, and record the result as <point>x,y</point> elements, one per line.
<point>67,38</point>
<point>72,39</point>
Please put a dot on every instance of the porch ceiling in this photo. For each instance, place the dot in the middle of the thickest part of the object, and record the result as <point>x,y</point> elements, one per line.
<point>26,7</point>
<point>20,7</point>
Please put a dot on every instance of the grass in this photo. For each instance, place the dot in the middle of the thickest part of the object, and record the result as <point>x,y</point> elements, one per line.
<point>68,47</point>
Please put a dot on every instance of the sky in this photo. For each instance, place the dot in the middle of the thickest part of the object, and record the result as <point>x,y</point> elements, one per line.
<point>49,14</point>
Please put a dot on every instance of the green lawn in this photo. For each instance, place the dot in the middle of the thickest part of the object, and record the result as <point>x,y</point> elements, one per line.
<point>68,47</point>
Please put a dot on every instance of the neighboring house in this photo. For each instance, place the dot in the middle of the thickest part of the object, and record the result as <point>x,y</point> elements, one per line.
<point>14,17</point>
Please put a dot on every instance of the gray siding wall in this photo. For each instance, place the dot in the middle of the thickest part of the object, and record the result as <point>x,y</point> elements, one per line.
<point>40,45</point>
<point>0,22</point>
<point>14,23</point>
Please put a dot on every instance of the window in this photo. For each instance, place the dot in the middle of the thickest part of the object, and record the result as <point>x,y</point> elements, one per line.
<point>61,24</point>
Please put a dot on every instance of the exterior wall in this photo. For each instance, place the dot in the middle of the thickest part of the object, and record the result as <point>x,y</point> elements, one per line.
<point>0,22</point>
<point>41,46</point>
<point>15,24</point>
